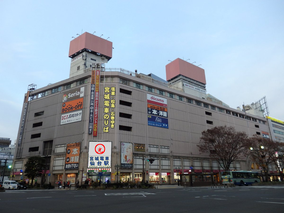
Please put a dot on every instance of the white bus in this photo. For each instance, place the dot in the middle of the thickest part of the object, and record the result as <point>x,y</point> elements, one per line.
<point>240,178</point>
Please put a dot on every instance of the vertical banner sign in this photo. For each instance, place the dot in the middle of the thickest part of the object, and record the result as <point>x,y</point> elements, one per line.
<point>126,155</point>
<point>157,111</point>
<point>92,100</point>
<point>109,108</point>
<point>72,156</point>
<point>96,105</point>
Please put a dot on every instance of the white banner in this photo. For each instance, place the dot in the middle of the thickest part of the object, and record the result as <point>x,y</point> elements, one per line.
<point>99,155</point>
<point>71,117</point>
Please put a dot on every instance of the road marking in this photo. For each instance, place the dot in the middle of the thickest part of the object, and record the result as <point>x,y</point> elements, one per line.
<point>39,197</point>
<point>129,194</point>
<point>84,195</point>
<point>270,202</point>
<point>219,199</point>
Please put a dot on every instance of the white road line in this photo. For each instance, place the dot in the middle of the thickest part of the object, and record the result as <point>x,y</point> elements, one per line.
<point>281,203</point>
<point>219,199</point>
<point>84,195</point>
<point>129,194</point>
<point>39,197</point>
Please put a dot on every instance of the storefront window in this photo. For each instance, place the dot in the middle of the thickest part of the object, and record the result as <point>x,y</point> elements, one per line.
<point>126,177</point>
<point>137,177</point>
<point>154,177</point>
<point>165,178</point>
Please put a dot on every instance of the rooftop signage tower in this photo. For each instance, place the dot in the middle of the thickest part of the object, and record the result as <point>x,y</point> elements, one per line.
<point>88,49</point>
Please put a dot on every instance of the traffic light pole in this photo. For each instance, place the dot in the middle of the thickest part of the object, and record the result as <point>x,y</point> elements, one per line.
<point>143,172</point>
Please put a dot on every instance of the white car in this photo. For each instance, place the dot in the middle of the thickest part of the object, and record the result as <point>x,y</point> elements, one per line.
<point>10,184</point>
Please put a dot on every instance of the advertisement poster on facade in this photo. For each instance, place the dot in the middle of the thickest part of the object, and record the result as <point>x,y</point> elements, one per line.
<point>73,94</point>
<point>157,111</point>
<point>71,117</point>
<point>126,155</point>
<point>99,156</point>
<point>96,103</point>
<point>73,105</point>
<point>72,156</point>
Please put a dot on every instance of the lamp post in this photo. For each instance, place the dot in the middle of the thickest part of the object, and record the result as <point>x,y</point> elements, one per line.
<point>117,167</point>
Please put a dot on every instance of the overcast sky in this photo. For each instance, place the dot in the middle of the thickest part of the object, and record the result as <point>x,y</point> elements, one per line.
<point>239,44</point>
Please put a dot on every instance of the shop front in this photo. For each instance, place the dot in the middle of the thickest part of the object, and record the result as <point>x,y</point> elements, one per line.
<point>154,177</point>
<point>99,176</point>
<point>125,177</point>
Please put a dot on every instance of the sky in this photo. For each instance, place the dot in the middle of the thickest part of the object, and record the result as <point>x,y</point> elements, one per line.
<point>239,44</point>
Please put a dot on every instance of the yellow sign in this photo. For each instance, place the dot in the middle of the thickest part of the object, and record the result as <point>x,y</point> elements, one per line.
<point>274,119</point>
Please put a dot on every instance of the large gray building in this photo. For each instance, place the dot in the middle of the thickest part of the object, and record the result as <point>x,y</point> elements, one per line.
<point>105,123</point>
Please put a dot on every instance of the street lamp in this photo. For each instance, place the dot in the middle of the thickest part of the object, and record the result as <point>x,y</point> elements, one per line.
<point>117,167</point>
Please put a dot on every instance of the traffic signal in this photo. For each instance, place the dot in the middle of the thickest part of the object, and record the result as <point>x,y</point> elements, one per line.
<point>151,160</point>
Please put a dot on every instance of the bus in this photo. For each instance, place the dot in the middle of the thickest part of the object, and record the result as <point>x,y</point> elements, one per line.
<point>240,178</point>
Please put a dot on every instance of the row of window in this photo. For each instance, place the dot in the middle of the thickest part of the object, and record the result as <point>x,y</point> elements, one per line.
<point>278,126</point>
<point>278,132</point>
<point>188,100</point>
<point>58,89</point>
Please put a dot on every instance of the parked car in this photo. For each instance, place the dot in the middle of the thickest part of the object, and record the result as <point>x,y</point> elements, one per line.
<point>10,184</point>
<point>21,186</point>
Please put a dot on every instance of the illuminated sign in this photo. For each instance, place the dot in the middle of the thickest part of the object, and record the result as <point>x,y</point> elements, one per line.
<point>72,156</point>
<point>99,156</point>
<point>109,108</point>
<point>139,147</point>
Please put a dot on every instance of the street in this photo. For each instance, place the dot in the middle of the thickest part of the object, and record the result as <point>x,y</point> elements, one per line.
<point>198,199</point>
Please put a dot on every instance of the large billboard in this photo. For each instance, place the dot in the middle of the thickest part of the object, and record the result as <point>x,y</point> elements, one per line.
<point>99,158</point>
<point>109,108</point>
<point>126,155</point>
<point>157,111</point>
<point>71,117</point>
<point>72,156</point>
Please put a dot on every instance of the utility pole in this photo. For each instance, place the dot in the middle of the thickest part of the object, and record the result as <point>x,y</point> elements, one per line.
<point>143,171</point>
<point>4,170</point>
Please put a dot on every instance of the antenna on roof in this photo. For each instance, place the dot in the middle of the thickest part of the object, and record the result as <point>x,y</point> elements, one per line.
<point>94,32</point>
<point>101,35</point>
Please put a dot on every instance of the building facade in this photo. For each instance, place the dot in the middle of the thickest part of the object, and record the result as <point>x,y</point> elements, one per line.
<point>105,124</point>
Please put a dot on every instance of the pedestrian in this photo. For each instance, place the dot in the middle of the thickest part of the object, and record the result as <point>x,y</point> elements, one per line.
<point>64,185</point>
<point>59,184</point>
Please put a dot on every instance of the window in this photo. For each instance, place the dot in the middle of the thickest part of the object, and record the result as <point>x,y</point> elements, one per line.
<point>60,148</point>
<point>68,86</point>
<point>35,135</point>
<point>258,133</point>
<point>213,107</point>
<point>155,164</point>
<point>54,90</point>
<point>58,163</point>
<point>125,103</point>
<point>198,103</point>
<point>33,149</point>
<point>150,89</point>
<point>278,132</point>
<point>161,92</point>
<point>123,81</point>
<point>247,117</point>
<point>208,113</point>
<point>177,163</point>
<point>125,128</point>
<point>256,126</point>
<point>39,113</point>
<point>165,163</point>
<point>139,86</point>
<point>171,95</point>
<point>206,105</point>
<point>209,122</point>
<point>124,91</point>
<point>241,116</point>
<point>180,98</point>
<point>47,147</point>
<point>189,100</point>
<point>228,112</point>
<point>153,148</point>
<point>165,149</point>
<point>37,124</point>
<point>221,110</point>
<point>138,162</point>
<point>235,114</point>
<point>187,163</point>
<point>78,68</point>
<point>125,115</point>
<point>253,119</point>
<point>80,82</point>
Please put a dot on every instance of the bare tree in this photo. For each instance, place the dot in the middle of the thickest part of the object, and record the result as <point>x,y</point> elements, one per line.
<point>265,152</point>
<point>223,144</point>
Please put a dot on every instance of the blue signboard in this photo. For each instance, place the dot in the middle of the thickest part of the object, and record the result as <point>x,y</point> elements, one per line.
<point>157,121</point>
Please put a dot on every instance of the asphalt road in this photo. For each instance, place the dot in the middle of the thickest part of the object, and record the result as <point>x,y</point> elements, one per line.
<point>197,200</point>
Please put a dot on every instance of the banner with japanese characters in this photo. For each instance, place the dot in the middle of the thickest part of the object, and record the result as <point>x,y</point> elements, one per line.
<point>99,158</point>
<point>72,156</point>
<point>157,111</point>
<point>109,108</point>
